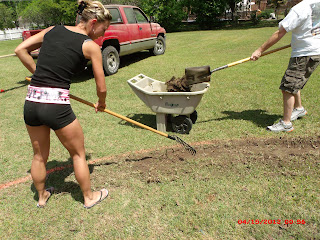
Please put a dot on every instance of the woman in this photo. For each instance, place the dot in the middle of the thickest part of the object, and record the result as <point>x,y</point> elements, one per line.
<point>64,51</point>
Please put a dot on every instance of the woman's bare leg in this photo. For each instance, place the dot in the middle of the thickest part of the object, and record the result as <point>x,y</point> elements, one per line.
<point>40,139</point>
<point>72,139</point>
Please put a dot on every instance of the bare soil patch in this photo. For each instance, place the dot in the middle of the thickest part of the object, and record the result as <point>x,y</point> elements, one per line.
<point>278,154</point>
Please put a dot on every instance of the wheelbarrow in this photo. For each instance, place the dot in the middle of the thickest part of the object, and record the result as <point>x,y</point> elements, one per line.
<point>178,108</point>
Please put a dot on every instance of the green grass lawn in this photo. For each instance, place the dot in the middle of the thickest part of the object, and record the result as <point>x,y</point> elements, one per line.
<point>240,103</point>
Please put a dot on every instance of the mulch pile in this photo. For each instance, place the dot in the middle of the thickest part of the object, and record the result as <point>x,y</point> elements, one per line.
<point>178,85</point>
<point>192,76</point>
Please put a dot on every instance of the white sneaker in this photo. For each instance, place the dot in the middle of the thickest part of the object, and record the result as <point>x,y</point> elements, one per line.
<point>298,113</point>
<point>281,127</point>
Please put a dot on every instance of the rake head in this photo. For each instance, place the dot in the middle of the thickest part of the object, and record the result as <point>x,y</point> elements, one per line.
<point>184,144</point>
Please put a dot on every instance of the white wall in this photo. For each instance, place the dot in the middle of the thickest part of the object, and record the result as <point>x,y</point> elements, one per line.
<point>13,33</point>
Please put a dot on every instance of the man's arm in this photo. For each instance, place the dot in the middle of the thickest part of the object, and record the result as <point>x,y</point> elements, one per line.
<point>275,37</point>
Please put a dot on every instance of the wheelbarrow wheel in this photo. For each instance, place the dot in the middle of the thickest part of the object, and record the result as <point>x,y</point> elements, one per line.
<point>194,116</point>
<point>181,124</point>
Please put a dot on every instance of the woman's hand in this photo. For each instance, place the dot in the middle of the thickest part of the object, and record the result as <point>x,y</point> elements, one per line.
<point>100,106</point>
<point>32,43</point>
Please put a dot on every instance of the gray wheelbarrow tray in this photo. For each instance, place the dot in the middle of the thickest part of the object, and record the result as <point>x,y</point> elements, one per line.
<point>154,94</point>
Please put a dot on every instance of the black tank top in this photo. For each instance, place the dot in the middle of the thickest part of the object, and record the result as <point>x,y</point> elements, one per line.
<point>60,58</point>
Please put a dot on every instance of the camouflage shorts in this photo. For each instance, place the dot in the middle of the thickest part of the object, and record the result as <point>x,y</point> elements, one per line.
<point>298,72</point>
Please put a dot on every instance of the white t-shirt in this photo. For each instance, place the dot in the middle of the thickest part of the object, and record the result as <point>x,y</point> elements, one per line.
<point>303,21</point>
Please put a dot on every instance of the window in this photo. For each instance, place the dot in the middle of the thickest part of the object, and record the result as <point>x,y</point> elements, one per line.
<point>140,16</point>
<point>116,17</point>
<point>130,15</point>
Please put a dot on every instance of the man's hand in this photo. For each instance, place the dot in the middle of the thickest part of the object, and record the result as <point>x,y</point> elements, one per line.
<point>256,55</point>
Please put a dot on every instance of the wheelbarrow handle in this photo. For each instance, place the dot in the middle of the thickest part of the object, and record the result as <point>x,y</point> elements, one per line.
<point>248,59</point>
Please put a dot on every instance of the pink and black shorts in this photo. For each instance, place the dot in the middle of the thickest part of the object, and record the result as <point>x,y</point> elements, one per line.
<point>48,106</point>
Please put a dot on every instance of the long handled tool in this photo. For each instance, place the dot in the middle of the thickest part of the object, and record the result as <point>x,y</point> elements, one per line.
<point>248,59</point>
<point>200,74</point>
<point>176,138</point>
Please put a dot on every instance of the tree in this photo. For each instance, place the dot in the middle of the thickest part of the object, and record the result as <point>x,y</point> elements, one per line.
<point>68,9</point>
<point>208,11</point>
<point>168,13</point>
<point>125,2</point>
<point>49,12</point>
<point>7,19</point>
<point>276,5</point>
<point>233,7</point>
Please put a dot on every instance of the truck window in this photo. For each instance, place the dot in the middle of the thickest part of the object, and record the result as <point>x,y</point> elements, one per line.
<point>130,15</point>
<point>116,17</point>
<point>140,16</point>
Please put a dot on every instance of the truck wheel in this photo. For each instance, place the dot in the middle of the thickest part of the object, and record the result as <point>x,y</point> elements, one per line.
<point>160,47</point>
<point>111,60</point>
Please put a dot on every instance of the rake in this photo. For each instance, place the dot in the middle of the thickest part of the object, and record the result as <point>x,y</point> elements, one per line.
<point>172,137</point>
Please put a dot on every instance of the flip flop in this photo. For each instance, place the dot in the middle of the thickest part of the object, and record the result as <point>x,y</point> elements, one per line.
<point>100,199</point>
<point>51,191</point>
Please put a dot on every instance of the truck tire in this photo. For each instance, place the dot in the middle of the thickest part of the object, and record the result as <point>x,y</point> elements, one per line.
<point>160,46</point>
<point>111,60</point>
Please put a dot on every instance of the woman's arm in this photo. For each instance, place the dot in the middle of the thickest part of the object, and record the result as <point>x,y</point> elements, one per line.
<point>92,51</point>
<point>27,46</point>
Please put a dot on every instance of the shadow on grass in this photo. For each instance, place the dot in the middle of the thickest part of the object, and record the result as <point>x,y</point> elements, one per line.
<point>149,120</point>
<point>23,84</point>
<point>83,76</point>
<point>259,117</point>
<point>133,58</point>
<point>146,119</point>
<point>57,174</point>
<point>125,61</point>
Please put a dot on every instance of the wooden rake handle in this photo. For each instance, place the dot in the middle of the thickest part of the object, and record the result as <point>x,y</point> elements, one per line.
<point>115,114</point>
<point>249,58</point>
<point>177,139</point>
<point>119,116</point>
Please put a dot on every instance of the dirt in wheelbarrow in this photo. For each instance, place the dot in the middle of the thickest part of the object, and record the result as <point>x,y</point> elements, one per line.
<point>167,164</point>
<point>176,84</point>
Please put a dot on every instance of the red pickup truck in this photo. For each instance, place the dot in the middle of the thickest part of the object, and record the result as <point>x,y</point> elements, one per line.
<point>130,31</point>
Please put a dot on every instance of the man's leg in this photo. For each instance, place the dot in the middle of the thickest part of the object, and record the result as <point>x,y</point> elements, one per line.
<point>297,100</point>
<point>288,104</point>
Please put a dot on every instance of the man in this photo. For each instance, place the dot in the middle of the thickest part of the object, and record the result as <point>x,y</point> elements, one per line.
<point>303,21</point>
